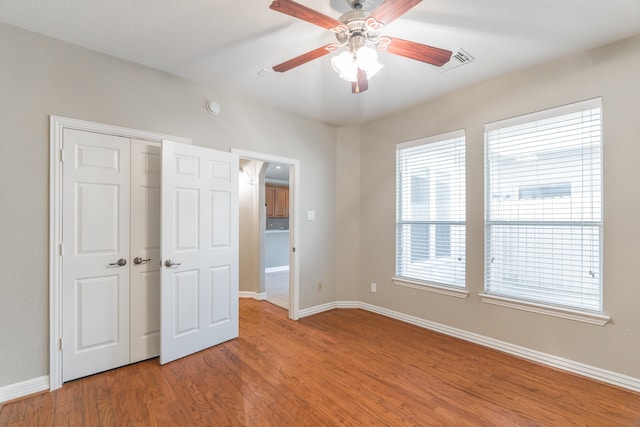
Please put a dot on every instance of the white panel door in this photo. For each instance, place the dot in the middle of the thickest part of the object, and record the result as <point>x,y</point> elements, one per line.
<point>146,168</point>
<point>199,290</point>
<point>95,253</point>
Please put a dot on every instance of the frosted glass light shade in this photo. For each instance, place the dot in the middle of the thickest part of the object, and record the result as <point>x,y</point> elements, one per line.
<point>347,63</point>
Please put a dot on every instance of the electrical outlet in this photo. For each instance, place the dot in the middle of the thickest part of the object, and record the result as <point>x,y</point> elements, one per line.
<point>374,287</point>
<point>319,286</point>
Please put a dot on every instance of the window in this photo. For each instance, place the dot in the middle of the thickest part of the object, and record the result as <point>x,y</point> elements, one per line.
<point>543,207</point>
<point>430,210</point>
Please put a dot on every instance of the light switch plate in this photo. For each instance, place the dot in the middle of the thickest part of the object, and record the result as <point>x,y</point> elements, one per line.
<point>311,215</point>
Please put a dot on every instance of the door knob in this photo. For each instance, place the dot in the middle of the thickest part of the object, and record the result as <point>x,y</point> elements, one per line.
<point>169,263</point>
<point>121,262</point>
<point>137,260</point>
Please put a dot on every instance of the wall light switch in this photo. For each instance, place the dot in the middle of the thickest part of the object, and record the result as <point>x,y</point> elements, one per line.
<point>311,215</point>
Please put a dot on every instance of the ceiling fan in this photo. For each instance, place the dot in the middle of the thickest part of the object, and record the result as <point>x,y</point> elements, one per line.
<point>356,29</point>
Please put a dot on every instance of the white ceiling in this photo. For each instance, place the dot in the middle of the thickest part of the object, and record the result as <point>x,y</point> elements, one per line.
<point>226,43</point>
<point>277,172</point>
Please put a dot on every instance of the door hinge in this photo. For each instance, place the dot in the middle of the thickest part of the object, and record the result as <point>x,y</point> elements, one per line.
<point>293,249</point>
<point>61,155</point>
<point>61,249</point>
<point>60,343</point>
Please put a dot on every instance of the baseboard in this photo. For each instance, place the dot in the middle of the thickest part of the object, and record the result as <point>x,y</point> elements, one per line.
<point>317,309</point>
<point>276,269</point>
<point>260,296</point>
<point>24,388</point>
<point>598,374</point>
<point>328,306</point>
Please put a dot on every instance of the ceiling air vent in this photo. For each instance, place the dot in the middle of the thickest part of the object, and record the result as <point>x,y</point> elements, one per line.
<point>458,58</point>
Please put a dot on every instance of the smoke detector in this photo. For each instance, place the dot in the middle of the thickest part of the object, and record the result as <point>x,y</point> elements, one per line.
<point>213,108</point>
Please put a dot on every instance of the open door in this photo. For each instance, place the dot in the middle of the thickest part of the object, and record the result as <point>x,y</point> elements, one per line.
<point>199,290</point>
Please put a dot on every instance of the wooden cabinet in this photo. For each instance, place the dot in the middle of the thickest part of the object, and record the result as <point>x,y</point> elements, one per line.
<point>277,200</point>
<point>281,208</point>
<point>270,199</point>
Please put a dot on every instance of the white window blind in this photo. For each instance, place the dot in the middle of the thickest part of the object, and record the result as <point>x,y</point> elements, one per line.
<point>430,210</point>
<point>543,207</point>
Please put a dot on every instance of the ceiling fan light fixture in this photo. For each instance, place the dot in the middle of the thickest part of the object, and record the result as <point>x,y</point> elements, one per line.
<point>345,66</point>
<point>353,30</point>
<point>367,59</point>
<point>347,63</point>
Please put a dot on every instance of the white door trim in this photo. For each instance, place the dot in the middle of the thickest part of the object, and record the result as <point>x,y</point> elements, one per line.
<point>294,207</point>
<point>56,126</point>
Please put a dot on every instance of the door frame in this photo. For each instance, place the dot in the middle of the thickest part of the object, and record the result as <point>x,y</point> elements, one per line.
<point>294,208</point>
<point>57,124</point>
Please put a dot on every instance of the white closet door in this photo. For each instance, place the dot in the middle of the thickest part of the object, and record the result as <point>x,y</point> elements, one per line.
<point>146,167</point>
<point>95,253</point>
<point>199,306</point>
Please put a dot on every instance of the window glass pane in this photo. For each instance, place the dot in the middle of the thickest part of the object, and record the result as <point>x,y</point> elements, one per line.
<point>419,242</point>
<point>430,210</point>
<point>443,240</point>
<point>544,207</point>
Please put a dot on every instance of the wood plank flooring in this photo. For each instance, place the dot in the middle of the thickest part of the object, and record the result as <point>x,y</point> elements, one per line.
<point>339,368</point>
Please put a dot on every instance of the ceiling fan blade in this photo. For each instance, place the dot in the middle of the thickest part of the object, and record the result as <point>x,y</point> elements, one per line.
<point>390,10</point>
<point>419,52</point>
<point>361,84</point>
<point>304,58</point>
<point>291,8</point>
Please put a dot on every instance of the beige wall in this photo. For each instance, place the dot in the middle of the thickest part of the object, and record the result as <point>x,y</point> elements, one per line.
<point>610,72</point>
<point>249,204</point>
<point>39,77</point>
<point>348,213</point>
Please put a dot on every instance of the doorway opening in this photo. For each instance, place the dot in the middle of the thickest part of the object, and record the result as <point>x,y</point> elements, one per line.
<point>276,233</point>
<point>269,187</point>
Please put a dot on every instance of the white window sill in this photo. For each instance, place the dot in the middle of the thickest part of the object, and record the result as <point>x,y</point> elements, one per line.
<point>565,313</point>
<point>431,287</point>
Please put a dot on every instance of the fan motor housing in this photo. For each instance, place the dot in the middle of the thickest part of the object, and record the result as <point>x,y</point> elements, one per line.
<point>355,21</point>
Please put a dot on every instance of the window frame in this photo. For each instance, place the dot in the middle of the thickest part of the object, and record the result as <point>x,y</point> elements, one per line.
<point>504,298</point>
<point>460,290</point>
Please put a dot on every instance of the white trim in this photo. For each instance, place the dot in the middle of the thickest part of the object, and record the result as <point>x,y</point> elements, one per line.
<point>24,388</point>
<point>276,269</point>
<point>433,138</point>
<point>294,221</point>
<point>595,373</point>
<point>55,260</point>
<point>329,306</point>
<point>431,287</point>
<point>68,123</point>
<point>564,313</point>
<point>57,125</point>
<point>545,114</point>
<point>260,296</point>
<point>348,304</point>
<point>318,309</point>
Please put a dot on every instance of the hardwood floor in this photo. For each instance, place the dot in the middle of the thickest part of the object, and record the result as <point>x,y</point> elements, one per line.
<point>343,367</point>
